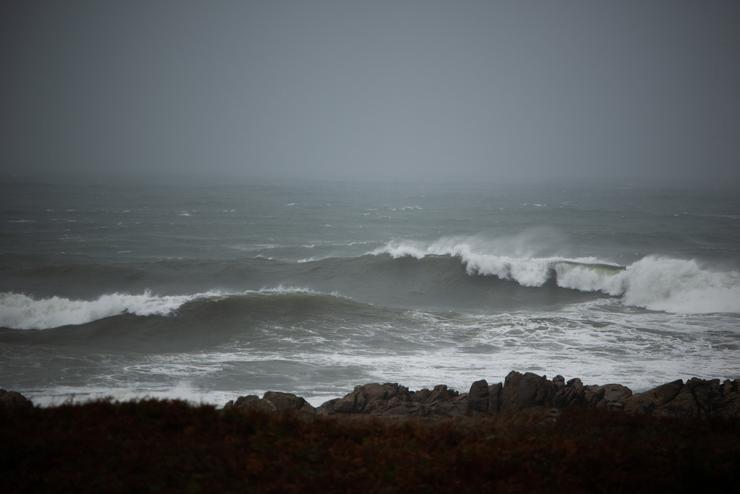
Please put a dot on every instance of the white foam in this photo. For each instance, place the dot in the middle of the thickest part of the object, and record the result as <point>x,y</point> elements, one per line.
<point>19,311</point>
<point>585,340</point>
<point>183,390</point>
<point>661,283</point>
<point>653,282</point>
<point>484,258</point>
<point>290,290</point>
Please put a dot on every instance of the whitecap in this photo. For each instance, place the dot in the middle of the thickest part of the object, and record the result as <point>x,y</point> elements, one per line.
<point>19,311</point>
<point>653,282</point>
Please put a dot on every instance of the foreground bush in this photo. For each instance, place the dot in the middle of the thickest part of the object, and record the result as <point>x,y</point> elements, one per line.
<point>170,446</point>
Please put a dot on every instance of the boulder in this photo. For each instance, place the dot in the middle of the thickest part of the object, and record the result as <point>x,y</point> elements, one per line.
<point>494,397</point>
<point>572,393</point>
<point>337,405</point>
<point>559,382</point>
<point>288,402</point>
<point>707,394</point>
<point>394,399</point>
<point>478,398</point>
<point>696,397</point>
<point>683,405</point>
<point>250,403</point>
<point>613,396</point>
<point>14,401</point>
<point>729,404</point>
<point>442,401</point>
<point>272,401</point>
<point>373,398</point>
<point>650,400</point>
<point>592,394</point>
<point>440,393</point>
<point>527,390</point>
<point>402,406</point>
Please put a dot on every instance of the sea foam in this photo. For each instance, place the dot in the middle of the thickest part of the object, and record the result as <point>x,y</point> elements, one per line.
<point>19,311</point>
<point>653,282</point>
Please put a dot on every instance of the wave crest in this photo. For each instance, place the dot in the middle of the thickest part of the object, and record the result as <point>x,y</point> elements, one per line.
<point>653,282</point>
<point>19,311</point>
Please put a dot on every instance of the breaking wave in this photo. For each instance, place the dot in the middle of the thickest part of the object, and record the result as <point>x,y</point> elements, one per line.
<point>653,282</point>
<point>19,311</point>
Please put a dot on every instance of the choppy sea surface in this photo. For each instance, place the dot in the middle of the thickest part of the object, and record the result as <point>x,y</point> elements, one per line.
<point>206,293</point>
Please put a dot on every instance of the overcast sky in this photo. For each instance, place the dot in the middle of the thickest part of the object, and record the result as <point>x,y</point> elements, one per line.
<point>455,90</point>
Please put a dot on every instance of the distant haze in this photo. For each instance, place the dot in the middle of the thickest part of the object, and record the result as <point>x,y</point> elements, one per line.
<point>501,91</point>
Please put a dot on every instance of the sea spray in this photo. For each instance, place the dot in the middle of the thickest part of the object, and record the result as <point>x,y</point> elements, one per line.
<point>653,282</point>
<point>19,311</point>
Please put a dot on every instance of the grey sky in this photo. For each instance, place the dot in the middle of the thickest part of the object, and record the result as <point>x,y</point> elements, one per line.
<point>464,90</point>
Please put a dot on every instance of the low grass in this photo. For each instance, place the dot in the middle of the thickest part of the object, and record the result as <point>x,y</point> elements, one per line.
<point>171,446</point>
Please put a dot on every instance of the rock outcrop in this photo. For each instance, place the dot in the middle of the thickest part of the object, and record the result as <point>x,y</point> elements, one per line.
<point>694,398</point>
<point>394,399</point>
<point>527,390</point>
<point>653,399</point>
<point>14,401</point>
<point>271,401</point>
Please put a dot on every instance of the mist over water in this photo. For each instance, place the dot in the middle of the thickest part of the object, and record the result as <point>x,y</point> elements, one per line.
<point>211,292</point>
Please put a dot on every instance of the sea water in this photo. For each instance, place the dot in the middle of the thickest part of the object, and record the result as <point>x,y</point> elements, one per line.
<point>210,292</point>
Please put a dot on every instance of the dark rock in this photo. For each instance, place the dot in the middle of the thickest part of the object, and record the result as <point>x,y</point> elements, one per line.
<point>348,404</point>
<point>288,402</point>
<point>478,398</point>
<point>494,397</point>
<point>695,398</point>
<point>393,399</point>
<point>559,382</point>
<point>707,394</point>
<point>683,405</point>
<point>373,398</point>
<point>612,396</point>
<point>649,401</point>
<point>383,398</point>
<point>399,406</point>
<point>573,393</point>
<point>576,384</point>
<point>250,403</point>
<point>327,408</point>
<point>592,394</point>
<point>442,401</point>
<point>729,404</point>
<point>526,390</point>
<point>551,416</point>
<point>14,401</point>
<point>441,393</point>
<point>422,395</point>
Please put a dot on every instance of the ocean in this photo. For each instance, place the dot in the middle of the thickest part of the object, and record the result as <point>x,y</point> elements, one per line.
<point>210,292</point>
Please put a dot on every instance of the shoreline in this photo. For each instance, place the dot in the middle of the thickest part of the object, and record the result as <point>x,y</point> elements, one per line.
<point>527,434</point>
<point>519,391</point>
<point>172,446</point>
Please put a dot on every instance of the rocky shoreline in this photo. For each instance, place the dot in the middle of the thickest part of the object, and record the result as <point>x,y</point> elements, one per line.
<point>693,398</point>
<point>527,434</point>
